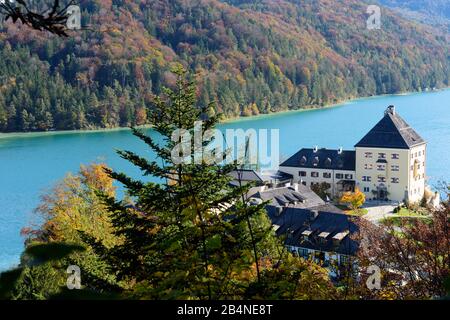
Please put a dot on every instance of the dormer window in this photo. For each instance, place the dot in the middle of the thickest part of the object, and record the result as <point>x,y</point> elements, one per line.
<point>323,237</point>
<point>316,161</point>
<point>337,239</point>
<point>328,162</point>
<point>303,161</point>
<point>306,234</point>
<point>290,233</point>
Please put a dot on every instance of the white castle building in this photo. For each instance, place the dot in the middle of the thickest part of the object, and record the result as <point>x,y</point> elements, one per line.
<point>388,163</point>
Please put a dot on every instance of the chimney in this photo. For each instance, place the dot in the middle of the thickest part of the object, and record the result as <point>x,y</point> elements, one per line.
<point>390,110</point>
<point>314,214</point>
<point>279,211</point>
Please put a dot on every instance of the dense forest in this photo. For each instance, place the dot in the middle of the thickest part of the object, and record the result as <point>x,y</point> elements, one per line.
<point>249,57</point>
<point>434,12</point>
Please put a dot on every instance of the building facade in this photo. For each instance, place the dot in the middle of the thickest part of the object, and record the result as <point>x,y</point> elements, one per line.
<point>388,164</point>
<point>316,166</point>
<point>391,161</point>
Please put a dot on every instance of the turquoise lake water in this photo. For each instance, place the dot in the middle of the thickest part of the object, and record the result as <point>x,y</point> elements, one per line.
<point>32,163</point>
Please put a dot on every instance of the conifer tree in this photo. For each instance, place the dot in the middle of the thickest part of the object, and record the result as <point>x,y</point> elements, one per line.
<point>191,235</point>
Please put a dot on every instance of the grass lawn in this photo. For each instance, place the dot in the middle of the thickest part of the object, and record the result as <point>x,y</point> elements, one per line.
<point>346,210</point>
<point>359,213</point>
<point>404,212</point>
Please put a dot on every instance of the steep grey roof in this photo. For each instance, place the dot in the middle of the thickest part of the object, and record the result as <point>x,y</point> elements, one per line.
<point>275,176</point>
<point>260,178</point>
<point>322,159</point>
<point>293,222</point>
<point>246,176</point>
<point>303,197</point>
<point>391,132</point>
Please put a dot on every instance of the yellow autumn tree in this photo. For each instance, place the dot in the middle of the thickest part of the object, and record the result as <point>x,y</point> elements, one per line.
<point>354,200</point>
<point>73,206</point>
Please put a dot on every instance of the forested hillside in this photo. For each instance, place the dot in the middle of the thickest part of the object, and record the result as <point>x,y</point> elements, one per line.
<point>434,12</point>
<point>249,57</point>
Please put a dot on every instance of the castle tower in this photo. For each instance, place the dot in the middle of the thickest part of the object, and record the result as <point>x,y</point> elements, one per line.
<point>391,161</point>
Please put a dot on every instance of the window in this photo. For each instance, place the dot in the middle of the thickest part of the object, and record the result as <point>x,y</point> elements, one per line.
<point>395,156</point>
<point>327,175</point>
<point>366,189</point>
<point>420,153</point>
<point>303,253</point>
<point>344,259</point>
<point>304,183</point>
<point>382,155</point>
<point>368,155</point>
<point>368,166</point>
<point>302,173</point>
<point>314,174</point>
<point>316,161</point>
<point>395,168</point>
<point>339,176</point>
<point>395,180</point>
<point>303,160</point>
<point>349,176</point>
<point>381,167</point>
<point>366,178</point>
<point>381,179</point>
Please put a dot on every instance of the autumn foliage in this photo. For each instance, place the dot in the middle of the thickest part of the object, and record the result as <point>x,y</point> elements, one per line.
<point>353,199</point>
<point>412,254</point>
<point>248,57</point>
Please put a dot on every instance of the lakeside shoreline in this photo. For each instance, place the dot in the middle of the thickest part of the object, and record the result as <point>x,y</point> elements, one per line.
<point>343,103</point>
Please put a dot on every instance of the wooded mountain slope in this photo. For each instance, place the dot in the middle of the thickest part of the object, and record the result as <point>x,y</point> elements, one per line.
<point>249,57</point>
<point>434,12</point>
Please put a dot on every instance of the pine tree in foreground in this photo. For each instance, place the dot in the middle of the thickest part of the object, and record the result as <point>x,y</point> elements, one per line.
<point>191,235</point>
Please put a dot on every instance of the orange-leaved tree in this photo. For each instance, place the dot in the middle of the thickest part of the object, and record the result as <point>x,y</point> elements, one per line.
<point>354,200</point>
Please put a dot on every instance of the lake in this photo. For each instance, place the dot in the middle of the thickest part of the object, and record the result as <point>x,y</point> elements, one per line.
<point>32,163</point>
